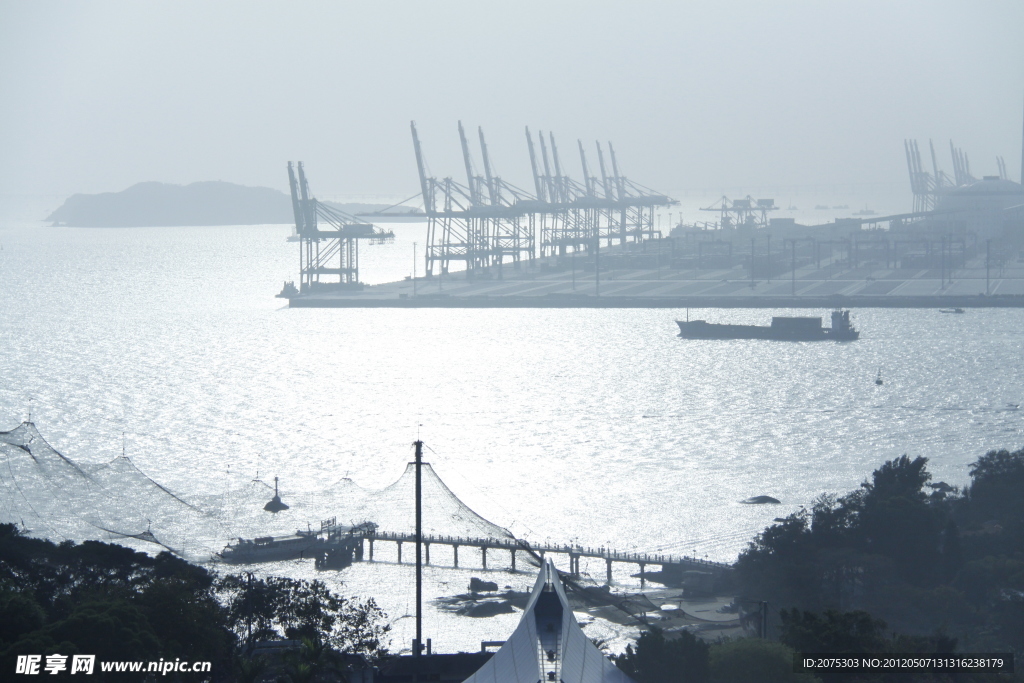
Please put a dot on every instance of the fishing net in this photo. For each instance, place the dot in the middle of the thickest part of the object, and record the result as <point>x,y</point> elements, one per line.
<point>394,509</point>
<point>48,495</point>
<point>44,491</point>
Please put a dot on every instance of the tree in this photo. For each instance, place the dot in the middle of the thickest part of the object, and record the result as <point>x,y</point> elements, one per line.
<point>898,522</point>
<point>19,614</point>
<point>899,478</point>
<point>997,479</point>
<point>275,607</point>
<point>754,660</point>
<point>110,601</point>
<point>832,632</point>
<point>657,659</point>
<point>920,562</point>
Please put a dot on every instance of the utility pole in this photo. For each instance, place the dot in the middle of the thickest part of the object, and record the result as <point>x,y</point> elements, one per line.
<point>419,548</point>
<point>414,269</point>
<point>988,255</point>
<point>793,293</point>
<point>751,262</point>
<point>942,262</point>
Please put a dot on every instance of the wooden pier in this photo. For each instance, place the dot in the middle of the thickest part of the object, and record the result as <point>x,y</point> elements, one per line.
<point>670,563</point>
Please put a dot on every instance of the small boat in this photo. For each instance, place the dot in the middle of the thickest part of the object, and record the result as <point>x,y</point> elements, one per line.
<point>288,291</point>
<point>951,310</point>
<point>878,378</point>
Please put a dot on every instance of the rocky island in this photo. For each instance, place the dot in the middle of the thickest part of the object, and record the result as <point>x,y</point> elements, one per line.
<point>153,204</point>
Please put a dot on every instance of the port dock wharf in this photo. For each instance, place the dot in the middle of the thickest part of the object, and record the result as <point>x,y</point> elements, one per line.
<point>598,243</point>
<point>673,565</point>
<point>646,276</point>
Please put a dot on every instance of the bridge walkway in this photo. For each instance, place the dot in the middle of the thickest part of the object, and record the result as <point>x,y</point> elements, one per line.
<point>573,552</point>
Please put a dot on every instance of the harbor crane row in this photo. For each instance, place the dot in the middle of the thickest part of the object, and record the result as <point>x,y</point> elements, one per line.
<point>488,221</point>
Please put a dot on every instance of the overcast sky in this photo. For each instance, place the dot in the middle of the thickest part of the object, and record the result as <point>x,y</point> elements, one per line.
<point>99,95</point>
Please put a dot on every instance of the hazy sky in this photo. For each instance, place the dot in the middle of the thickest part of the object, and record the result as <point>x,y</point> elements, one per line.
<point>99,95</point>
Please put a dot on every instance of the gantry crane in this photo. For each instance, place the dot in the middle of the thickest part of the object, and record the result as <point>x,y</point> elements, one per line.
<point>328,239</point>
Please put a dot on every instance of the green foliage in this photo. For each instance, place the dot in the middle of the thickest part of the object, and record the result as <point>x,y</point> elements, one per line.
<point>860,633</point>
<point>187,619</point>
<point>997,480</point>
<point>19,614</point>
<point>112,630</point>
<point>921,561</point>
<point>249,670</point>
<point>754,660</point>
<point>107,600</point>
<point>657,659</point>
<point>314,660</point>
<point>900,478</point>
<point>275,607</point>
<point>832,632</point>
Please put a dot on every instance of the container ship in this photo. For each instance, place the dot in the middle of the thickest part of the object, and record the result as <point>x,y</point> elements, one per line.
<point>781,329</point>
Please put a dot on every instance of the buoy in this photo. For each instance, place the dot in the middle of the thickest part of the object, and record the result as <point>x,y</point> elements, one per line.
<point>275,504</point>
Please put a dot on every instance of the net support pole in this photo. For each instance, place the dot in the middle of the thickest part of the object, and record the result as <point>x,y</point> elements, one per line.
<point>419,548</point>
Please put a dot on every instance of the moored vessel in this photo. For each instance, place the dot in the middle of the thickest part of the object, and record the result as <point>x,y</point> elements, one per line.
<point>274,548</point>
<point>333,547</point>
<point>781,329</point>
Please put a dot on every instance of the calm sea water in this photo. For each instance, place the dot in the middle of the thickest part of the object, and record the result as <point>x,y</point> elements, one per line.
<point>596,426</point>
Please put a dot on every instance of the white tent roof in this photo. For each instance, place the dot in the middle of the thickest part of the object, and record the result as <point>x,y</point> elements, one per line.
<point>548,646</point>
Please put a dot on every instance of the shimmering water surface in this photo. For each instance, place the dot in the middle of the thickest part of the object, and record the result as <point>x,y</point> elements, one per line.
<point>596,426</point>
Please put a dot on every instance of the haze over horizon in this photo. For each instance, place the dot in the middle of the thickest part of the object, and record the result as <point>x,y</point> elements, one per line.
<point>102,95</point>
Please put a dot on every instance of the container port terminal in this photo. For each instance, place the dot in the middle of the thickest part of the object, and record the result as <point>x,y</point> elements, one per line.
<point>592,243</point>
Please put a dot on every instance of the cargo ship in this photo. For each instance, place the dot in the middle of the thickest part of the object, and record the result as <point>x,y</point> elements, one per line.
<point>781,329</point>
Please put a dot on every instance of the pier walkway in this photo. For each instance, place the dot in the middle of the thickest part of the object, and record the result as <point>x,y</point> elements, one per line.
<point>667,563</point>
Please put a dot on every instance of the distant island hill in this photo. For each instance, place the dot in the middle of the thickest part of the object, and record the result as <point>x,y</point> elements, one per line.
<point>154,204</point>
